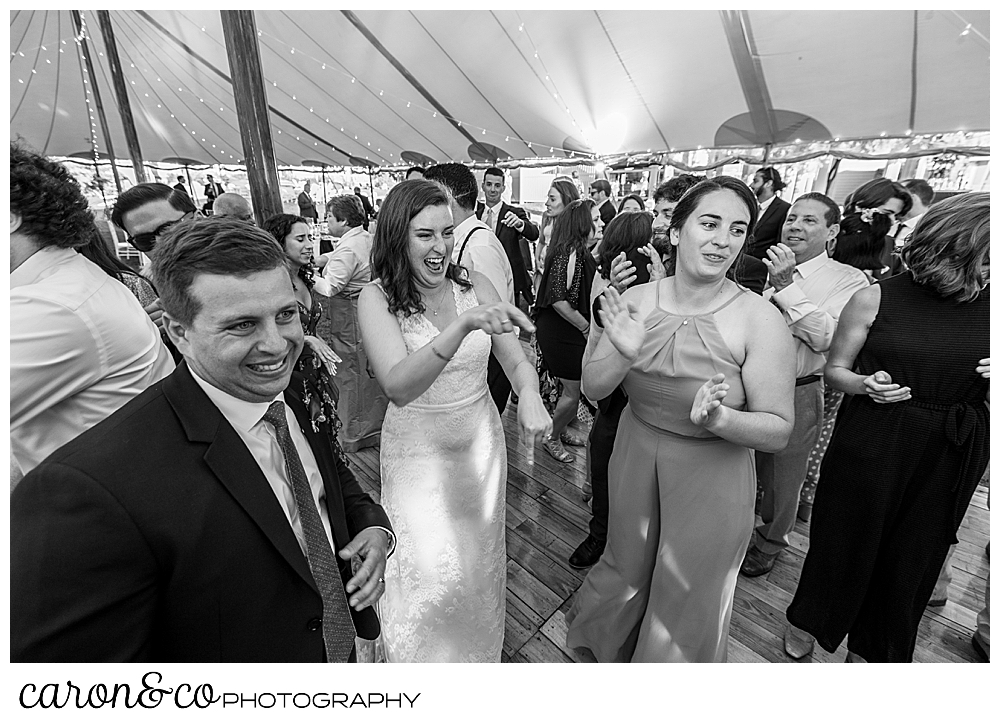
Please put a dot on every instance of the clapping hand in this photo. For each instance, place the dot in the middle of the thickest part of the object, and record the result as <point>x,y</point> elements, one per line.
<point>622,324</point>
<point>655,267</point>
<point>780,263</point>
<point>534,423</point>
<point>499,318</point>
<point>512,220</point>
<point>707,405</point>
<point>883,391</point>
<point>622,272</point>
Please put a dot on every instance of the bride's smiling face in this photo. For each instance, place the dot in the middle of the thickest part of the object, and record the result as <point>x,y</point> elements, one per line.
<point>431,238</point>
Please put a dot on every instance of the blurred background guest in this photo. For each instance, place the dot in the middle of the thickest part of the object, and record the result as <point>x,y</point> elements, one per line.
<point>232,205</point>
<point>623,237</point>
<point>561,193</point>
<point>631,202</point>
<point>881,196</point>
<point>910,444</point>
<point>317,364</point>
<point>767,184</point>
<point>562,316</point>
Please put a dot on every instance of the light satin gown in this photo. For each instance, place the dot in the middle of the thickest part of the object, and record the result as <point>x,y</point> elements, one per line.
<point>444,476</point>
<point>681,508</point>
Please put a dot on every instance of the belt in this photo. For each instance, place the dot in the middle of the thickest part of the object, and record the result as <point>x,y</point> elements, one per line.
<point>802,381</point>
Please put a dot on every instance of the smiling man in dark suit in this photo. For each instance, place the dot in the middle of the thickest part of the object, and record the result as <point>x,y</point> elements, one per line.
<point>512,227</point>
<point>203,521</point>
<point>766,184</point>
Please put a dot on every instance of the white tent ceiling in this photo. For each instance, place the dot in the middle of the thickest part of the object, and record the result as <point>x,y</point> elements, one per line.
<point>372,84</point>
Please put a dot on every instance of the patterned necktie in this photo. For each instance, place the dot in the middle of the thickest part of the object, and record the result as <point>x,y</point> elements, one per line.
<point>338,628</point>
<point>489,218</point>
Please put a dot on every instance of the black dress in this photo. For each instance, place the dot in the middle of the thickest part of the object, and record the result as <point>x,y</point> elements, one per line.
<point>561,344</point>
<point>897,478</point>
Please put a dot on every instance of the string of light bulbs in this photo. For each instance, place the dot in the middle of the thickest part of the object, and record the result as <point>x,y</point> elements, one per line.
<point>409,103</point>
<point>88,94</point>
<point>348,135</point>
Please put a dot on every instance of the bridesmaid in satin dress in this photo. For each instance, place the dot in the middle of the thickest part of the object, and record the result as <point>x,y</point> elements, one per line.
<point>709,371</point>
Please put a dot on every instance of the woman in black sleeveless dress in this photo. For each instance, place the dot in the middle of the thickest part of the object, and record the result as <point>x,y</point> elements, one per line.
<point>910,443</point>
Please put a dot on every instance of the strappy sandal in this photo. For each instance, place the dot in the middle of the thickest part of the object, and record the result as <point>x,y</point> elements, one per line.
<point>555,448</point>
<point>572,439</point>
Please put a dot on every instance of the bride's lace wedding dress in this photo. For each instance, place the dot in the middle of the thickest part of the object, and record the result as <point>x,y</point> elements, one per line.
<point>444,475</point>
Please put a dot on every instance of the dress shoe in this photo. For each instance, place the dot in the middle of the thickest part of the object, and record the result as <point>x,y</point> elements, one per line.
<point>798,643</point>
<point>589,552</point>
<point>980,649</point>
<point>573,439</point>
<point>757,563</point>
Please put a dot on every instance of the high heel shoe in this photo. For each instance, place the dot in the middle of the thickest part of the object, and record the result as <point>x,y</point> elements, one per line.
<point>556,449</point>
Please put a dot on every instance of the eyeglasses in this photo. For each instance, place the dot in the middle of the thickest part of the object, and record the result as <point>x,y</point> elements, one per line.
<point>144,241</point>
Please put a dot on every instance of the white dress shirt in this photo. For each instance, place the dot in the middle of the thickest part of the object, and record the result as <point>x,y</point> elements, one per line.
<point>247,418</point>
<point>484,253</point>
<point>764,205</point>
<point>811,306</point>
<point>80,348</point>
<point>496,215</point>
<point>348,266</point>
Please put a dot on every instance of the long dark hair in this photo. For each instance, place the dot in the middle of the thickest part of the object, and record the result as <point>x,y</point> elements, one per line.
<point>571,230</point>
<point>390,259</point>
<point>279,226</point>
<point>690,200</point>
<point>876,192</point>
<point>97,251</point>
<point>860,243</point>
<point>625,232</point>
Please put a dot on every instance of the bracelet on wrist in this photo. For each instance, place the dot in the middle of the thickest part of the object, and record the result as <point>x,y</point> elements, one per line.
<point>441,356</point>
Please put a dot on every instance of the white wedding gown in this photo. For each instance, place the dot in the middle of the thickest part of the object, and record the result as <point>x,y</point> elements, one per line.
<point>444,476</point>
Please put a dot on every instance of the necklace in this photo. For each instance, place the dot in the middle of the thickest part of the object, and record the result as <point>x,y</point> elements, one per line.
<point>437,305</point>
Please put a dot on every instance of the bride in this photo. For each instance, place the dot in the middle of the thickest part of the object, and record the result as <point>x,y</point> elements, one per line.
<point>428,326</point>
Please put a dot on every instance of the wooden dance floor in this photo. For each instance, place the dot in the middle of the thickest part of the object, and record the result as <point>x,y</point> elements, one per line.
<point>547,518</point>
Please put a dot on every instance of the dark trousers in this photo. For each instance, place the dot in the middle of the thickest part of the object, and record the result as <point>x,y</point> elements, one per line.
<point>601,444</point>
<point>499,384</point>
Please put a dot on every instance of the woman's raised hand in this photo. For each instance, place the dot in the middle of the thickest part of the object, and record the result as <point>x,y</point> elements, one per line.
<point>656,268</point>
<point>622,324</point>
<point>880,388</point>
<point>622,272</point>
<point>499,318</point>
<point>324,353</point>
<point>707,404</point>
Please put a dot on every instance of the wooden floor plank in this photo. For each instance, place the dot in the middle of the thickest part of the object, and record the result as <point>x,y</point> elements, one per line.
<point>547,517</point>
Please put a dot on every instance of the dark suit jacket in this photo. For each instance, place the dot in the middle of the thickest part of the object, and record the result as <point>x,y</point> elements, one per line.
<point>768,230</point>
<point>515,244</point>
<point>608,211</point>
<point>752,274</point>
<point>155,537</point>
